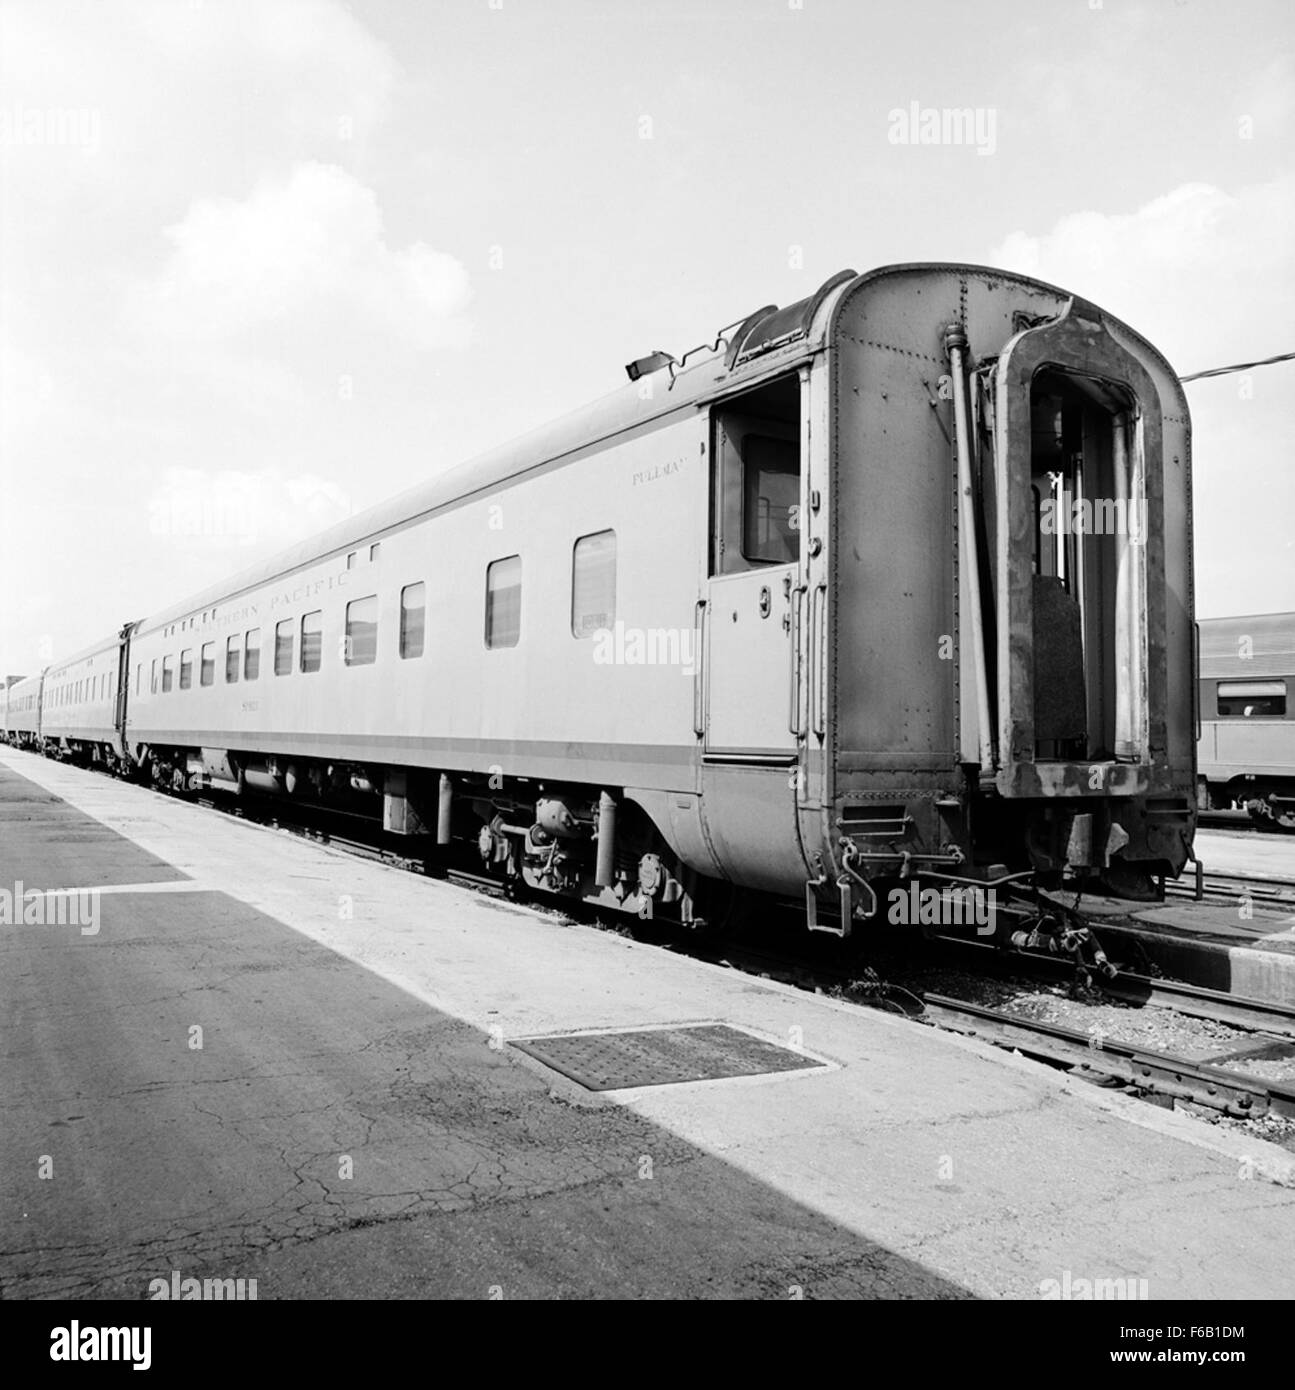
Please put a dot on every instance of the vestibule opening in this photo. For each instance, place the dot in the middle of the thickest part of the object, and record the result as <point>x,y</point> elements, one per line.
<point>1089,546</point>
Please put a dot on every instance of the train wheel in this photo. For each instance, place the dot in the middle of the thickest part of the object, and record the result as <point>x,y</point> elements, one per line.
<point>1273,813</point>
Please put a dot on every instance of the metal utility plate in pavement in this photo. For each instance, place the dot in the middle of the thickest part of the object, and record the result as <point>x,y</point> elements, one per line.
<point>621,1060</point>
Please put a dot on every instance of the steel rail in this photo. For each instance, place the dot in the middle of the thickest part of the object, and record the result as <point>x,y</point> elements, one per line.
<point>1094,1055</point>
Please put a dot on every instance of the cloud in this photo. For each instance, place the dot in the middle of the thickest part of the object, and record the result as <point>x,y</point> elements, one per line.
<point>308,244</point>
<point>1180,267</point>
<point>1209,277</point>
<point>148,82</point>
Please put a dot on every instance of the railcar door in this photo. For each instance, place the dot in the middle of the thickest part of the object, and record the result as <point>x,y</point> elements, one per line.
<point>755,551</point>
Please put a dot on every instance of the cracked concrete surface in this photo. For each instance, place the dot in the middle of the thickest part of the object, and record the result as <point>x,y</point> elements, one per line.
<point>923,1167</point>
<point>466,1170</point>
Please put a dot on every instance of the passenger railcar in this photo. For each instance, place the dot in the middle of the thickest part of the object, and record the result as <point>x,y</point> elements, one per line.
<point>79,705</point>
<point>22,712</point>
<point>1247,701</point>
<point>892,582</point>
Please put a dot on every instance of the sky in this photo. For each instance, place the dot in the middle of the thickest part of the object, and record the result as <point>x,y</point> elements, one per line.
<point>264,264</point>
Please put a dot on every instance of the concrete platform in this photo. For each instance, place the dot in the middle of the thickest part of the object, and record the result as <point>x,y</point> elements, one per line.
<point>355,1125</point>
<point>1243,948</point>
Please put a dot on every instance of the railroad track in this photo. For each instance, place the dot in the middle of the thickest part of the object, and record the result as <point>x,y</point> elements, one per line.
<point>1134,988</point>
<point>1095,1057</point>
<point>1148,1072</point>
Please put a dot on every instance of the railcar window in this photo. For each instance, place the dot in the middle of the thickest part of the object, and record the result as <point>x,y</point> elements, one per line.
<point>233,651</point>
<point>1252,699</point>
<point>755,485</point>
<point>312,639</point>
<point>350,560</point>
<point>252,654</point>
<point>186,668</point>
<point>770,497</point>
<point>152,678</point>
<point>504,602</point>
<point>283,648</point>
<point>139,676</point>
<point>208,673</point>
<point>593,583</point>
<point>166,674</point>
<point>373,551</point>
<point>412,607</point>
<point>361,631</point>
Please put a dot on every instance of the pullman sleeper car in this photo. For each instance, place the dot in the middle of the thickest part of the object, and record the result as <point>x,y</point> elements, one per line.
<point>794,614</point>
<point>1247,746</point>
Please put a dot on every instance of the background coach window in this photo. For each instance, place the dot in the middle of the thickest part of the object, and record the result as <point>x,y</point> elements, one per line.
<point>186,668</point>
<point>504,602</point>
<point>1252,699</point>
<point>252,654</point>
<point>755,483</point>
